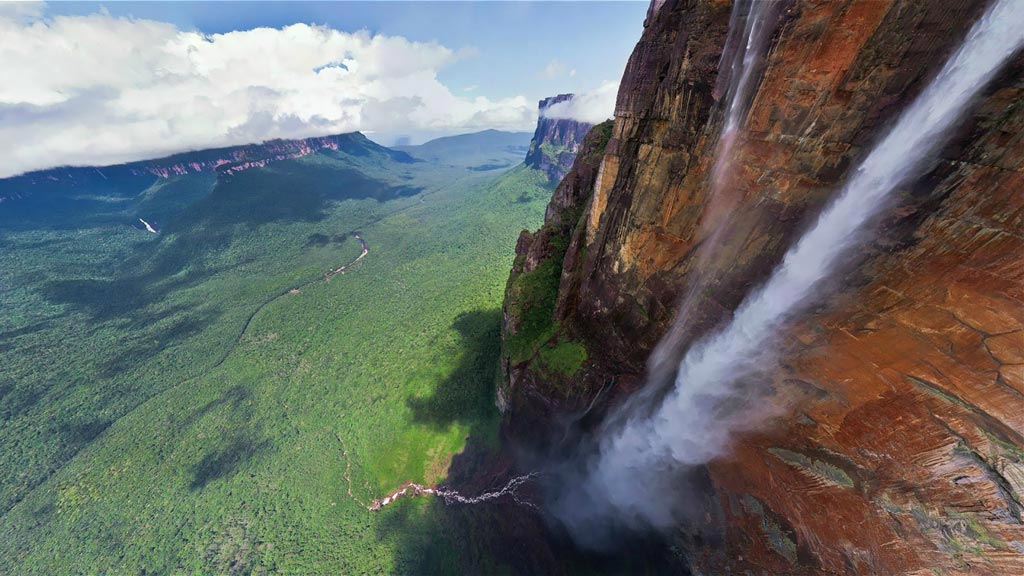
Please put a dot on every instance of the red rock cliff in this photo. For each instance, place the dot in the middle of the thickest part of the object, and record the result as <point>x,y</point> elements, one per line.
<point>900,447</point>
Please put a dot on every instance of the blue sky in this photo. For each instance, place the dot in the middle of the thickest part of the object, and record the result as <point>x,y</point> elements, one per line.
<point>103,83</point>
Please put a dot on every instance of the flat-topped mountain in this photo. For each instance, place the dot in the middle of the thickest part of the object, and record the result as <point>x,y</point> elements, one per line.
<point>556,140</point>
<point>896,444</point>
<point>223,161</point>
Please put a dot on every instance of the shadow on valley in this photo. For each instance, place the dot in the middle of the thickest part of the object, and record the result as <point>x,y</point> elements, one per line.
<point>498,536</point>
<point>125,302</point>
<point>466,396</point>
<point>437,539</point>
<point>234,399</point>
<point>324,240</point>
<point>231,452</point>
<point>142,295</point>
<point>15,399</point>
<point>179,258</point>
<point>290,190</point>
<point>224,461</point>
<point>79,433</point>
<point>504,538</point>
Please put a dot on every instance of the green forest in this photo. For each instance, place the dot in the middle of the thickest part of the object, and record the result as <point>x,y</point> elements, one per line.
<point>208,399</point>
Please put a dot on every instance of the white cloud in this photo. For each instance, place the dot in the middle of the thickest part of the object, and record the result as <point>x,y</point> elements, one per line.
<point>554,69</point>
<point>99,89</point>
<point>593,106</point>
<point>471,88</point>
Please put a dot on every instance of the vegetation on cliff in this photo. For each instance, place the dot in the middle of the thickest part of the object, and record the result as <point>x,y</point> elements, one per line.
<point>532,334</point>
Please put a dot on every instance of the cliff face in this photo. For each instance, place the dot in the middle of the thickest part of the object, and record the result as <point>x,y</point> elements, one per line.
<point>535,347</point>
<point>556,141</point>
<point>898,446</point>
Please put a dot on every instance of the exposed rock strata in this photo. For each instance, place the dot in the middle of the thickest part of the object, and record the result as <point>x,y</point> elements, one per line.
<point>900,446</point>
<point>555,141</point>
<point>529,331</point>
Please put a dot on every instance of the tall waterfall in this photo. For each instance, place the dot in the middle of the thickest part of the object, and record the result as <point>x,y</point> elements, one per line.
<point>751,25</point>
<point>631,478</point>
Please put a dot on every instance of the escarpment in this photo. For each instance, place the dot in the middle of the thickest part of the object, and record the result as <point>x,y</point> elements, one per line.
<point>223,161</point>
<point>556,140</point>
<point>536,347</point>
<point>897,442</point>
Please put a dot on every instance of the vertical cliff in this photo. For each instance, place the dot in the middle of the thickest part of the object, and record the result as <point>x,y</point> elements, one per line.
<point>898,446</point>
<point>534,344</point>
<point>556,141</point>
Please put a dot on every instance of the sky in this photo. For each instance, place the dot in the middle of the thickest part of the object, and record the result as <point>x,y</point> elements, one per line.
<point>89,83</point>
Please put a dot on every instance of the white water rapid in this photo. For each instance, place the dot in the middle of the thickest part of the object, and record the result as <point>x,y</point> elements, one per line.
<point>509,491</point>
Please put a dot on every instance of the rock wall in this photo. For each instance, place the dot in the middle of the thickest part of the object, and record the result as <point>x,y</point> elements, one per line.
<point>898,446</point>
<point>556,141</point>
<point>536,347</point>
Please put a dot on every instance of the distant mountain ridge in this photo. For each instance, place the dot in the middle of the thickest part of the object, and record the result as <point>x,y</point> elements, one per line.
<point>556,141</point>
<point>225,161</point>
<point>478,151</point>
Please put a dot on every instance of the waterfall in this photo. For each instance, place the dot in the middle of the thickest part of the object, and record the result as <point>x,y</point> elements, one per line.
<point>751,24</point>
<point>631,479</point>
<point>758,22</point>
<point>149,227</point>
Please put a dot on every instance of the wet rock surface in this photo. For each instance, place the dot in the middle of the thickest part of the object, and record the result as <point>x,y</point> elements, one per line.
<point>897,445</point>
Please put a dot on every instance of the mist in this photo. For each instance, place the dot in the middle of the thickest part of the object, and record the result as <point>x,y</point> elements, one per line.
<point>751,26</point>
<point>634,474</point>
<point>593,106</point>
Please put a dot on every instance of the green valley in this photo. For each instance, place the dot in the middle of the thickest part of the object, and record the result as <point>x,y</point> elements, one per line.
<point>206,399</point>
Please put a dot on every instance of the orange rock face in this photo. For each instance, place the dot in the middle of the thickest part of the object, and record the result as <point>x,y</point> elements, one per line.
<point>897,444</point>
<point>918,405</point>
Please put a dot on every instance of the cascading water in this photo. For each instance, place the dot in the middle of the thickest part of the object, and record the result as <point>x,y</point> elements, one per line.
<point>758,20</point>
<point>509,492</point>
<point>750,29</point>
<point>630,480</point>
<point>751,25</point>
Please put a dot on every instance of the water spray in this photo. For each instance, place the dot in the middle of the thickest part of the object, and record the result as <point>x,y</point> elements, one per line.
<point>751,27</point>
<point>631,479</point>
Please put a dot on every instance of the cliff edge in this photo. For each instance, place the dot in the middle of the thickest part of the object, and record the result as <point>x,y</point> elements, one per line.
<point>556,141</point>
<point>898,444</point>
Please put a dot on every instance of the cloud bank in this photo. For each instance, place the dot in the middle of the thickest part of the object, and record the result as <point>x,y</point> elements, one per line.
<point>594,106</point>
<point>97,89</point>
